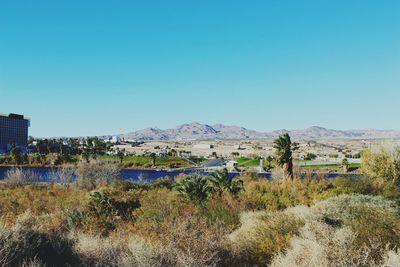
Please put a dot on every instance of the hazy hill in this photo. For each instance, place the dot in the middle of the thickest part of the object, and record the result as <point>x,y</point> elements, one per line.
<point>198,131</point>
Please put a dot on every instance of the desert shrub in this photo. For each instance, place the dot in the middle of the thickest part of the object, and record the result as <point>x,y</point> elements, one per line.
<point>381,164</point>
<point>156,207</point>
<point>223,210</point>
<point>25,243</point>
<point>374,220</point>
<point>125,185</point>
<point>319,244</point>
<point>350,185</point>
<point>347,208</point>
<point>61,175</point>
<point>192,241</point>
<point>104,212</point>
<point>32,263</point>
<point>143,254</point>
<point>16,177</point>
<point>261,194</point>
<point>91,175</point>
<point>348,230</point>
<point>278,174</point>
<point>365,186</point>
<point>97,251</point>
<point>179,227</point>
<point>165,182</point>
<point>48,202</point>
<point>261,236</point>
<point>392,258</point>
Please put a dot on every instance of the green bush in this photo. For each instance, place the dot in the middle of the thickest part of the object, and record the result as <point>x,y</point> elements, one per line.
<point>382,164</point>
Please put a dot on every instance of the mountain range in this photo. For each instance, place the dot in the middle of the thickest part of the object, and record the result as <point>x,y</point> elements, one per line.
<point>198,131</point>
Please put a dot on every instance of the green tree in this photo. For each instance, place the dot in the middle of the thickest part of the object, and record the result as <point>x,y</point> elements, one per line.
<point>120,155</point>
<point>153,159</point>
<point>86,156</point>
<point>195,187</point>
<point>221,182</point>
<point>284,157</point>
<point>16,155</point>
<point>345,165</point>
<point>269,159</point>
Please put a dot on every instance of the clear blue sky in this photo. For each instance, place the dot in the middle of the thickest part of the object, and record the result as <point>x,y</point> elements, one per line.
<point>93,67</point>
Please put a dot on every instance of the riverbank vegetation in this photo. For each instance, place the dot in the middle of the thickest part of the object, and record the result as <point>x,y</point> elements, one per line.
<point>101,220</point>
<point>126,162</point>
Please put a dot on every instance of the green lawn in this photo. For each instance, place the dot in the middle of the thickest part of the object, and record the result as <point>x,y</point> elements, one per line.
<point>248,162</point>
<point>333,167</point>
<point>143,161</point>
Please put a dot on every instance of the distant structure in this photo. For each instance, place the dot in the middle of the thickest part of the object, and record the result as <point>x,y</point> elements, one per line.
<point>260,167</point>
<point>204,146</point>
<point>13,131</point>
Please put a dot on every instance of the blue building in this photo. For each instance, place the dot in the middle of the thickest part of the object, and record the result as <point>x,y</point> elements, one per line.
<point>13,131</point>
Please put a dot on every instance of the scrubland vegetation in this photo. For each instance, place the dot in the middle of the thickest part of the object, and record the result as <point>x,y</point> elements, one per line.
<point>100,220</point>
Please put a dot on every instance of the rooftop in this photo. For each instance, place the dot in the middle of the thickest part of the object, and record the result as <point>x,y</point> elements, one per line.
<point>15,116</point>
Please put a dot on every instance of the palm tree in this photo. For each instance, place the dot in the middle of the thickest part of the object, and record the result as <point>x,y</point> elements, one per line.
<point>120,155</point>
<point>153,159</point>
<point>38,143</point>
<point>173,153</point>
<point>16,154</point>
<point>221,182</point>
<point>86,156</point>
<point>269,159</point>
<point>345,165</point>
<point>195,187</point>
<point>284,148</point>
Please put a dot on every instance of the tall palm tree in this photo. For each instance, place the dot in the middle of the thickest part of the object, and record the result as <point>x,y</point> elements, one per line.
<point>153,157</point>
<point>269,159</point>
<point>284,148</point>
<point>345,165</point>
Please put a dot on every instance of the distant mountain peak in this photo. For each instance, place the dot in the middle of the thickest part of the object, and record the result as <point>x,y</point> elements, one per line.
<point>199,131</point>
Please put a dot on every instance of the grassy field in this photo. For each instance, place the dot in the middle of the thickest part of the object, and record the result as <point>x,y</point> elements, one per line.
<point>251,162</point>
<point>333,167</point>
<point>143,161</point>
<point>248,162</point>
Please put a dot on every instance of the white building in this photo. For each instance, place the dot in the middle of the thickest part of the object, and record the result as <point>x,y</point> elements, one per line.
<point>203,146</point>
<point>231,164</point>
<point>115,139</point>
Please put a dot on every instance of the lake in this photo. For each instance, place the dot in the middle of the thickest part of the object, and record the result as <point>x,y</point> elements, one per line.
<point>140,175</point>
<point>126,174</point>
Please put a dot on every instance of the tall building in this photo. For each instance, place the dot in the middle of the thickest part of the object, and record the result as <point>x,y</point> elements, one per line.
<point>13,131</point>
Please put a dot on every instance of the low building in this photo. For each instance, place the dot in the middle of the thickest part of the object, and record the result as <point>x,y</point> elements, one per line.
<point>185,154</point>
<point>203,146</point>
<point>231,164</point>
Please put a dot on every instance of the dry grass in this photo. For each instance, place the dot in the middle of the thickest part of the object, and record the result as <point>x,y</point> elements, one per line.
<point>262,235</point>
<point>98,251</point>
<point>91,175</point>
<point>16,177</point>
<point>62,175</point>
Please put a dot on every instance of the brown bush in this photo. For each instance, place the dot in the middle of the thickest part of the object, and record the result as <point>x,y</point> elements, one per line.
<point>91,175</point>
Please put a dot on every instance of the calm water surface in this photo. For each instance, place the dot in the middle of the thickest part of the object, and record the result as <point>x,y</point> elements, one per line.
<point>133,175</point>
<point>140,175</point>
